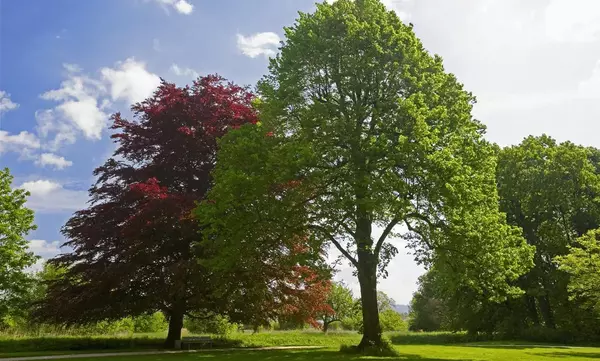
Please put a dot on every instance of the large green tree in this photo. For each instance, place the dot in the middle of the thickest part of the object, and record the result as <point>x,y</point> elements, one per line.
<point>551,191</point>
<point>363,136</point>
<point>16,221</point>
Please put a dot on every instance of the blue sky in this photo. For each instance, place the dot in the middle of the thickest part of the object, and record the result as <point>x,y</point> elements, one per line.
<point>66,65</point>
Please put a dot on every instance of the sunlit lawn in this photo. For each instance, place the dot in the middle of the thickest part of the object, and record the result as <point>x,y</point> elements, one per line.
<point>408,352</point>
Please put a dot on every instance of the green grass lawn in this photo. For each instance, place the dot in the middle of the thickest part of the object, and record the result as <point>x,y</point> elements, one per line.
<point>407,353</point>
<point>412,346</point>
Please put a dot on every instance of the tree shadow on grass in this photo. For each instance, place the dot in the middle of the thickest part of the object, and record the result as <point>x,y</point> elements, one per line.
<point>517,347</point>
<point>298,355</point>
<point>567,354</point>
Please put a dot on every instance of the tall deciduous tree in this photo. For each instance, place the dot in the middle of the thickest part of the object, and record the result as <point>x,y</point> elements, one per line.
<point>132,248</point>
<point>370,136</point>
<point>551,191</point>
<point>16,221</point>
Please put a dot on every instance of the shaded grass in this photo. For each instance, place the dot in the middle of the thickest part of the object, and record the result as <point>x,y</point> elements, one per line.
<point>406,353</point>
<point>26,346</point>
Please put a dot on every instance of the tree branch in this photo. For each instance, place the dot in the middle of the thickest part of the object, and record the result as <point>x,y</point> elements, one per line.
<point>336,243</point>
<point>384,235</point>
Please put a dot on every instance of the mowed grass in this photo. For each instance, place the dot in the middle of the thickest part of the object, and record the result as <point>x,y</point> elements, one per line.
<point>411,346</point>
<point>407,353</point>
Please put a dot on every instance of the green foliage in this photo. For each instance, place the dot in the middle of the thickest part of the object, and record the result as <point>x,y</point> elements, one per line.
<point>217,325</point>
<point>551,191</point>
<point>392,321</point>
<point>16,222</point>
<point>342,303</point>
<point>155,322</point>
<point>362,127</point>
<point>583,265</point>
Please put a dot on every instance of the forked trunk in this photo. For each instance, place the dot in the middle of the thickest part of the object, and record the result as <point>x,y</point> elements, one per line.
<point>175,326</point>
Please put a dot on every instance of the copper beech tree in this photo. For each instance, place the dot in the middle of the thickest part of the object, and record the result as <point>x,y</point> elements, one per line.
<point>132,248</point>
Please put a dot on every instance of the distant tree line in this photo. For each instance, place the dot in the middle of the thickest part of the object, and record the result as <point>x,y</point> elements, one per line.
<point>551,191</point>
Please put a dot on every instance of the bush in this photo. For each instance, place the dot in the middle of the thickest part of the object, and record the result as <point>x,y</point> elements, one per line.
<point>155,322</point>
<point>392,321</point>
<point>217,325</point>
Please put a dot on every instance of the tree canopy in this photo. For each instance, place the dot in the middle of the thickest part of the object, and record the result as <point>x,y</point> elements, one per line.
<point>583,264</point>
<point>363,136</point>
<point>132,248</point>
<point>16,221</point>
<point>552,192</point>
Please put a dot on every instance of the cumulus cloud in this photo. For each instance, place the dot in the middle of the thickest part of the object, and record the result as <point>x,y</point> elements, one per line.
<point>44,248</point>
<point>85,101</point>
<point>258,44</point>
<point>130,81</point>
<point>23,143</point>
<point>53,160</point>
<point>183,71</point>
<point>181,6</point>
<point>49,196</point>
<point>5,103</point>
<point>79,101</point>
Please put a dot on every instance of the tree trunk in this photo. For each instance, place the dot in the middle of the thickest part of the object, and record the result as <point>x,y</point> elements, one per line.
<point>533,312</point>
<point>367,277</point>
<point>175,326</point>
<point>546,310</point>
<point>325,326</point>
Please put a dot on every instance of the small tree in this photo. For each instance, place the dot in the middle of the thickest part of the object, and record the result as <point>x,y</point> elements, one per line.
<point>392,321</point>
<point>16,221</point>
<point>583,264</point>
<point>341,304</point>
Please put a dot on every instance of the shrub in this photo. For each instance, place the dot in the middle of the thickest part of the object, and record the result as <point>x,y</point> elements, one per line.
<point>392,321</point>
<point>217,325</point>
<point>155,322</point>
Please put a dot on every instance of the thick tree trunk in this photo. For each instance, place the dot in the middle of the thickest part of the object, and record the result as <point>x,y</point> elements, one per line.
<point>532,308</point>
<point>367,277</point>
<point>325,327</point>
<point>175,326</point>
<point>546,310</point>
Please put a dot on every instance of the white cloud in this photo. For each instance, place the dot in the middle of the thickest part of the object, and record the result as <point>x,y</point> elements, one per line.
<point>48,123</point>
<point>44,248</point>
<point>181,6</point>
<point>258,44</point>
<point>156,44</point>
<point>48,196</point>
<point>130,81</point>
<point>576,21</point>
<point>79,102</point>
<point>40,187</point>
<point>5,103</point>
<point>23,143</point>
<point>85,101</point>
<point>50,159</point>
<point>187,72</point>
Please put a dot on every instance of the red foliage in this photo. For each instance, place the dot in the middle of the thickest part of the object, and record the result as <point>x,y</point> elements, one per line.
<point>133,245</point>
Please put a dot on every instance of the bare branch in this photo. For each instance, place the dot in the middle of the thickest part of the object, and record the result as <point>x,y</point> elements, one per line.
<point>336,243</point>
<point>384,235</point>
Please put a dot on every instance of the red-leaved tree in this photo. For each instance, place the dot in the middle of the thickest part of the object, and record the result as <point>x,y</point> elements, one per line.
<point>133,248</point>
